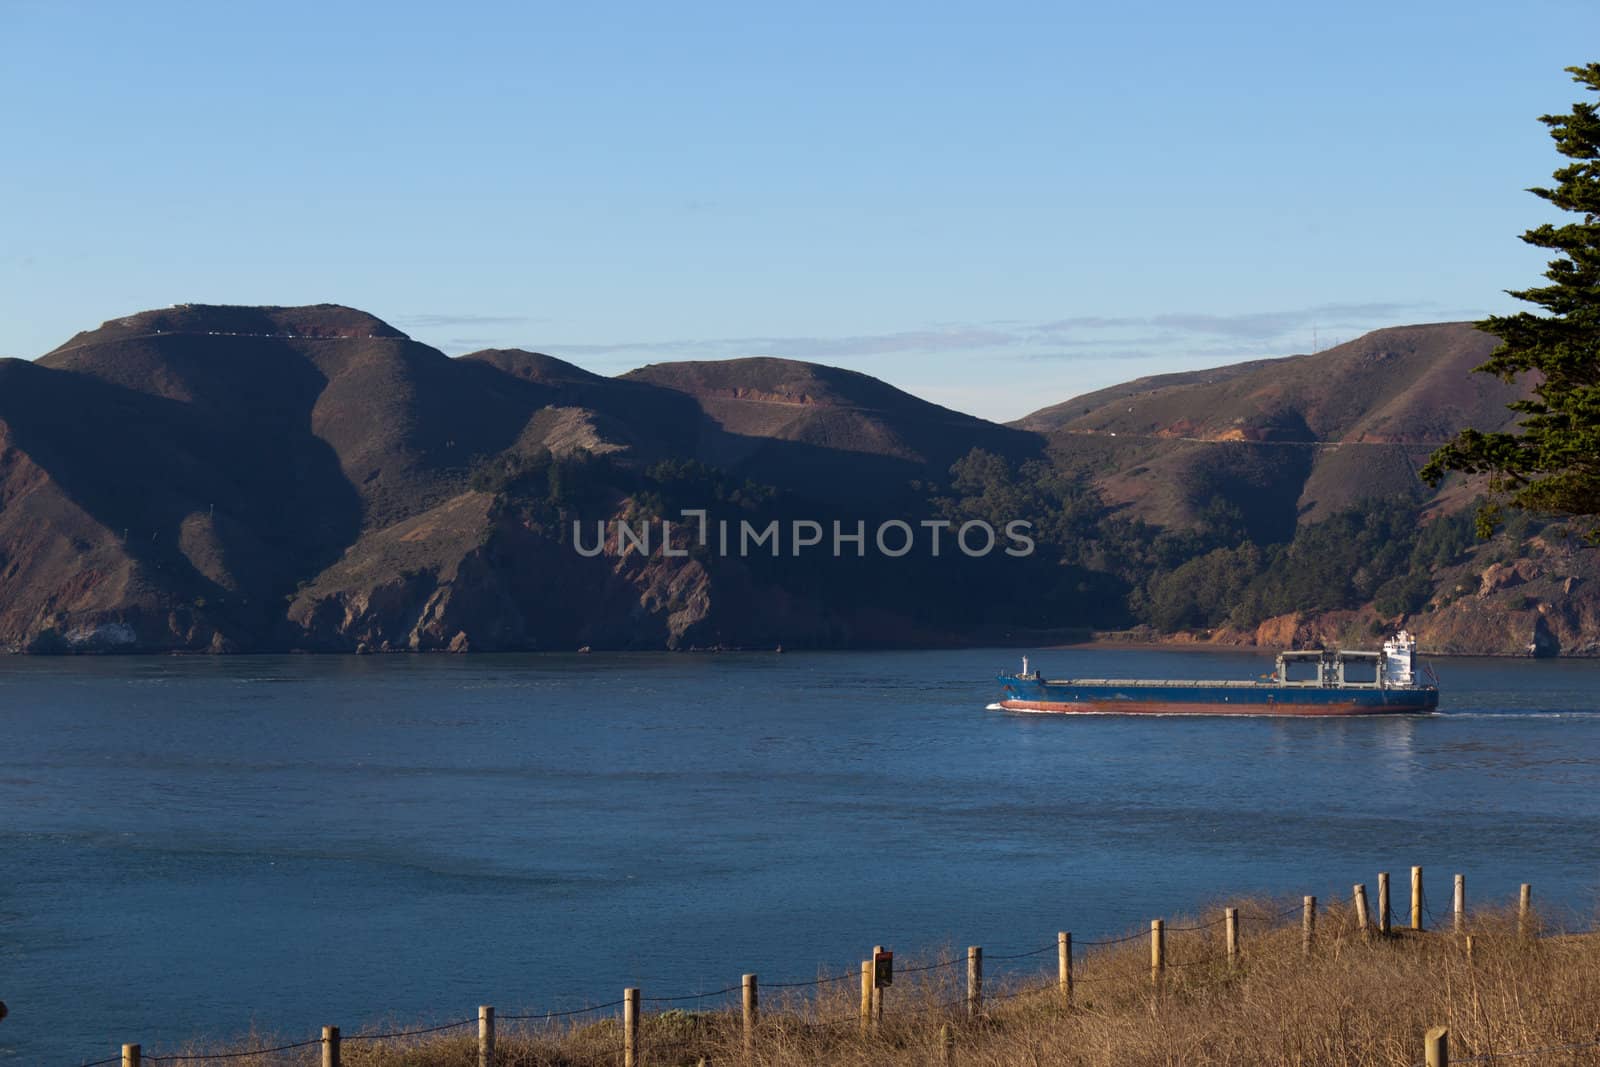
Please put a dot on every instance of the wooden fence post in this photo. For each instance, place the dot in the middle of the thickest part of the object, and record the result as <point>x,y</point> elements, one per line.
<point>1460,909</point>
<point>974,981</point>
<point>1525,910</point>
<point>330,1046</point>
<point>1360,894</point>
<point>1416,898</point>
<point>1158,950</point>
<point>877,990</point>
<point>947,1046</point>
<point>1436,1047</point>
<point>1064,964</point>
<point>1308,924</point>
<point>485,1036</point>
<point>130,1056</point>
<point>1383,903</point>
<point>630,1027</point>
<point>866,995</point>
<point>1230,923</point>
<point>751,1007</point>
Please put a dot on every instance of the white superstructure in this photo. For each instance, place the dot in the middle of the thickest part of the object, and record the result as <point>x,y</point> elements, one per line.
<point>1399,656</point>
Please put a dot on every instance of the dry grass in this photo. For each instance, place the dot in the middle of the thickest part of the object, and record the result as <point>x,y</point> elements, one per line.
<point>1358,1001</point>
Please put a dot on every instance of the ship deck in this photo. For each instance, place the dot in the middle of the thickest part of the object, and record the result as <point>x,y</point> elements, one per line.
<point>1190,683</point>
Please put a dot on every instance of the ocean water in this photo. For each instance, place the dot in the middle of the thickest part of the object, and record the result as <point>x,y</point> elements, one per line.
<point>199,848</point>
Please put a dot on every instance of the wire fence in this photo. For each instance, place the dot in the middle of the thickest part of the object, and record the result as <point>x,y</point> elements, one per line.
<point>810,1013</point>
<point>1114,940</point>
<point>691,996</point>
<point>574,1012</point>
<point>824,980</point>
<point>1490,1057</point>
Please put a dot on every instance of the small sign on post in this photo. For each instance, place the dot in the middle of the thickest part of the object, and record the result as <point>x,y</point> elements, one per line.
<point>882,969</point>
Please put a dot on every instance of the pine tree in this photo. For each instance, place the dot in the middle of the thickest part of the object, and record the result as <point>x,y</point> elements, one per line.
<point>1553,463</point>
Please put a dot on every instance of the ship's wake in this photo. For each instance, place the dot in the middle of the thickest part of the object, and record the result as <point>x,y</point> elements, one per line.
<point>1514,714</point>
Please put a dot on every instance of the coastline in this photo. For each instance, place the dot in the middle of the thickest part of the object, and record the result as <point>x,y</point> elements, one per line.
<point>1165,643</point>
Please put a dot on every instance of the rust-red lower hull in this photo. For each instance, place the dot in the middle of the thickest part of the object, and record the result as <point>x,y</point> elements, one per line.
<point>1138,707</point>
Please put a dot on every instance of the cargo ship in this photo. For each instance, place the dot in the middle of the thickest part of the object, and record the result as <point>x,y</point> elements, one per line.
<point>1319,682</point>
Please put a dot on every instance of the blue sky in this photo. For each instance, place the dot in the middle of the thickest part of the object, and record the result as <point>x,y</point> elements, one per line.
<point>994,206</point>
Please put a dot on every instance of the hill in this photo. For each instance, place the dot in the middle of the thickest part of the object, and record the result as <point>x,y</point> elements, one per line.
<point>231,478</point>
<point>1396,385</point>
<point>1288,441</point>
<point>821,430</point>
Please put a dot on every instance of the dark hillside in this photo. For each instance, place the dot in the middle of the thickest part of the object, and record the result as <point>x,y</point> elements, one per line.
<point>208,517</point>
<point>403,421</point>
<point>823,430</point>
<point>591,412</point>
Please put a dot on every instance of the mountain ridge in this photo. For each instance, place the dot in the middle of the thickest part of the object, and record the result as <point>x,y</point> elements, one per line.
<point>210,477</point>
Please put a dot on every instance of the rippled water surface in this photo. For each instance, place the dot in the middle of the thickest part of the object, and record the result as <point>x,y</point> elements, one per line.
<point>195,847</point>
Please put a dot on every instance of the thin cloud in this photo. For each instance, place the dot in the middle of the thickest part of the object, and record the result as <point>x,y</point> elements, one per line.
<point>1098,350</point>
<point>1088,322</point>
<point>445,321</point>
<point>1185,335</point>
<point>1266,325</point>
<point>1256,325</point>
<point>954,339</point>
<point>457,345</point>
